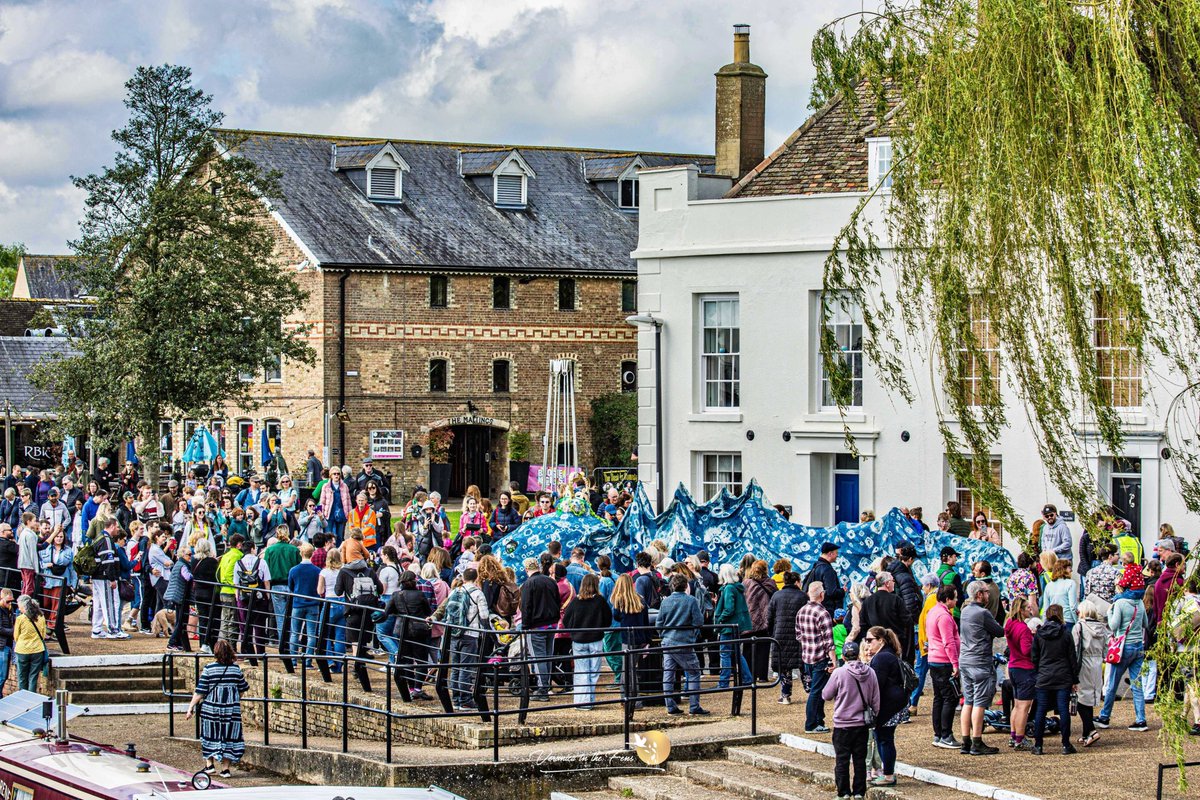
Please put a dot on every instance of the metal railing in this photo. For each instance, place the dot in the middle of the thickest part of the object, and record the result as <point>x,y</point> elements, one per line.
<point>1162,768</point>
<point>488,671</point>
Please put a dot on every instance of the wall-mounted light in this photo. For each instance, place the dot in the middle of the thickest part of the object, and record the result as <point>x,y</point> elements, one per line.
<point>787,436</point>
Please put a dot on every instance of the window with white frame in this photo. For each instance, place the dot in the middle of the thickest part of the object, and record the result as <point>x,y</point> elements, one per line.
<point>510,190</point>
<point>845,322</point>
<point>166,441</point>
<point>879,163</point>
<point>1118,367</point>
<point>383,183</point>
<point>719,471</point>
<point>987,344</point>
<point>629,194</point>
<point>272,429</point>
<point>273,369</point>
<point>245,443</point>
<point>720,352</point>
<point>966,498</point>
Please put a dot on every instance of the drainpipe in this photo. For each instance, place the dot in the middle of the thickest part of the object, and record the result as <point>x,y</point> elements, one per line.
<point>341,412</point>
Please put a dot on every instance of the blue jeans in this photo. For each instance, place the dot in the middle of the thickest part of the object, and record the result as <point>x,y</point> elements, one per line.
<point>730,644</point>
<point>338,529</point>
<point>922,669</point>
<point>6,655</point>
<point>306,619</point>
<point>1059,699</point>
<point>279,603</point>
<point>29,669</point>
<point>383,631</point>
<point>684,661</point>
<point>463,649</point>
<point>1149,680</point>
<point>587,670</point>
<point>336,643</point>
<point>541,645</point>
<point>814,709</point>
<point>1132,657</point>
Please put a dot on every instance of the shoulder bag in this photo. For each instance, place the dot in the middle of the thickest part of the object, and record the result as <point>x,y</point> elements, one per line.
<point>1116,644</point>
<point>868,712</point>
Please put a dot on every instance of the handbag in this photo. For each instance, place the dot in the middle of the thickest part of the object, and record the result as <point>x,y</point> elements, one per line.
<point>868,712</point>
<point>125,591</point>
<point>1116,644</point>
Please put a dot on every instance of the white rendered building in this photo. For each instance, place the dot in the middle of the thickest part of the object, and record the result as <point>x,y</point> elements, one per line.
<point>731,269</point>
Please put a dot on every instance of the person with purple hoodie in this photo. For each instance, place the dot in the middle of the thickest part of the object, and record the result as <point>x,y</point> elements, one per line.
<point>854,690</point>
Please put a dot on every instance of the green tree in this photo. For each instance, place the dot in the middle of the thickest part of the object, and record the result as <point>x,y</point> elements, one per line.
<point>1044,199</point>
<point>10,256</point>
<point>614,428</point>
<point>188,293</point>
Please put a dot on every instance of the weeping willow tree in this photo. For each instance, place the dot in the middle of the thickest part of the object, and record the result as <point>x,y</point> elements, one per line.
<point>1044,216</point>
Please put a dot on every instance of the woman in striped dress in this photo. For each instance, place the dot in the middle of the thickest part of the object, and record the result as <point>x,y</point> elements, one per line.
<point>220,689</point>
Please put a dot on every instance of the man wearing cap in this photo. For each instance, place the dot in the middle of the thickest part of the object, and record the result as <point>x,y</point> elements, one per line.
<point>251,495</point>
<point>369,474</point>
<point>824,572</point>
<point>949,575</point>
<point>1056,536</point>
<point>55,512</point>
<point>126,513</point>
<point>169,500</point>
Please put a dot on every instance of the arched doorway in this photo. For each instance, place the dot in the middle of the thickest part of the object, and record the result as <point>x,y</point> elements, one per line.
<point>478,453</point>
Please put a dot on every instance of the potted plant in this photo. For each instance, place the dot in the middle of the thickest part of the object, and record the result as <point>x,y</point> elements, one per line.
<point>518,457</point>
<point>439,442</point>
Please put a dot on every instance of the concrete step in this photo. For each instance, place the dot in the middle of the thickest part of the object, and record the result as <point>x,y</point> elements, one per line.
<point>110,684</point>
<point>120,672</point>
<point>749,781</point>
<point>665,787</point>
<point>601,795</point>
<point>785,760</point>
<point>114,697</point>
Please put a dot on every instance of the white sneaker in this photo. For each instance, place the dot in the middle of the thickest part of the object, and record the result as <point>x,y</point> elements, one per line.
<point>785,701</point>
<point>101,635</point>
<point>118,635</point>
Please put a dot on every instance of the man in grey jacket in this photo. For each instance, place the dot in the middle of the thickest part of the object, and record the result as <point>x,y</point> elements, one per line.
<point>678,622</point>
<point>977,628</point>
<point>1056,535</point>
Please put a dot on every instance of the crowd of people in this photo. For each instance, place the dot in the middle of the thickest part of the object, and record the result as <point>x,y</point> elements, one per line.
<point>209,561</point>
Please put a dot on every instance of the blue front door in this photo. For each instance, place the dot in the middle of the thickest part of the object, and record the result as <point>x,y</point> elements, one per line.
<point>845,498</point>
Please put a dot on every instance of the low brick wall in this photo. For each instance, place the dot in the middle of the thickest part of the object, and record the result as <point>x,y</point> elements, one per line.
<point>368,725</point>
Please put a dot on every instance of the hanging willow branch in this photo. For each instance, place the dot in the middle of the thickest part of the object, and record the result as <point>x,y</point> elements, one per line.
<point>1044,217</point>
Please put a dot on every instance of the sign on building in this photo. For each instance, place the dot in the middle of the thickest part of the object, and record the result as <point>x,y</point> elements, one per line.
<point>387,445</point>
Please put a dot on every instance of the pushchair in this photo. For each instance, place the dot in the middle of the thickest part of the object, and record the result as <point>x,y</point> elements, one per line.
<point>510,649</point>
<point>998,719</point>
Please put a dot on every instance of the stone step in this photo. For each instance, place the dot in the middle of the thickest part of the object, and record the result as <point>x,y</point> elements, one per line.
<point>748,781</point>
<point>110,684</point>
<point>600,795</point>
<point>785,760</point>
<point>118,672</point>
<point>665,787</point>
<point>116,697</point>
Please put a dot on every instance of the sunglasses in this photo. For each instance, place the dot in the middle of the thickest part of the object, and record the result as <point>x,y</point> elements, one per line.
<point>871,639</point>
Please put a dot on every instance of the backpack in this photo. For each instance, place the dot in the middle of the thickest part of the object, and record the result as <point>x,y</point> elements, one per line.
<point>700,592</point>
<point>246,578</point>
<point>85,560</point>
<point>458,608</point>
<point>362,590</point>
<point>508,602</point>
<point>910,677</point>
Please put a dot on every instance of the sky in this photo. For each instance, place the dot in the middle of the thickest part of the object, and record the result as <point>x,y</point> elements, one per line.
<point>624,74</point>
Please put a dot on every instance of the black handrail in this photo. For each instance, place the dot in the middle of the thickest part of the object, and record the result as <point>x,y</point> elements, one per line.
<point>397,673</point>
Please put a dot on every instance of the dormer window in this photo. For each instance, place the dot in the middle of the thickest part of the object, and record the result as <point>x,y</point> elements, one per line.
<point>629,193</point>
<point>377,169</point>
<point>879,163</point>
<point>509,174</point>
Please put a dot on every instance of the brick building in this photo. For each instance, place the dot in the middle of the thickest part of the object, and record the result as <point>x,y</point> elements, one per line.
<point>442,280</point>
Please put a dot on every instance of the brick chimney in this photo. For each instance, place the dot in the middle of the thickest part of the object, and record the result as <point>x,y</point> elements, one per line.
<point>741,107</point>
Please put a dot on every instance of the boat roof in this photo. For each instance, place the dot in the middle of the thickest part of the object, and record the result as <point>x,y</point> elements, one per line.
<point>325,793</point>
<point>83,769</point>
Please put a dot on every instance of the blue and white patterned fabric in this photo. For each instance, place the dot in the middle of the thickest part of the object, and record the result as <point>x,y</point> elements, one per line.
<point>729,527</point>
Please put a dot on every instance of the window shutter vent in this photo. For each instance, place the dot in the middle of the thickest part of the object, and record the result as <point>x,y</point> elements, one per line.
<point>508,190</point>
<point>383,182</point>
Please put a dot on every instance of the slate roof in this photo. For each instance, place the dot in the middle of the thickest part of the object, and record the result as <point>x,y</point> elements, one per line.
<point>482,162</point>
<point>445,220</point>
<point>15,316</point>
<point>47,278</point>
<point>18,354</point>
<point>356,155</point>
<point>827,154</point>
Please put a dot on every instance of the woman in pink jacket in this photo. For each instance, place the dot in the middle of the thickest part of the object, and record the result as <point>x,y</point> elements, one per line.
<point>942,632</point>
<point>336,506</point>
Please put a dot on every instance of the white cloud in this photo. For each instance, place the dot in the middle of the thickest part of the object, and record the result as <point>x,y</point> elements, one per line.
<point>623,73</point>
